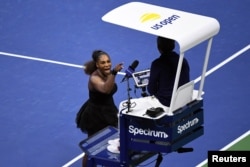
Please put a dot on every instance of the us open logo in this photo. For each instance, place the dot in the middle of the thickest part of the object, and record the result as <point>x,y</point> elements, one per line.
<point>148,17</point>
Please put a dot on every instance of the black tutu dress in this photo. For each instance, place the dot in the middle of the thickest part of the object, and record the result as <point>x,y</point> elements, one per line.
<point>98,112</point>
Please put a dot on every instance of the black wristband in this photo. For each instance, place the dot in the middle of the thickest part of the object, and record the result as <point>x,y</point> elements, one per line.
<point>113,72</point>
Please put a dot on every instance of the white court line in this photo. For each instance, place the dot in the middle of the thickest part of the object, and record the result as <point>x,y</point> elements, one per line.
<point>74,160</point>
<point>45,60</point>
<point>40,59</point>
<point>224,62</point>
<point>80,66</point>
<point>228,146</point>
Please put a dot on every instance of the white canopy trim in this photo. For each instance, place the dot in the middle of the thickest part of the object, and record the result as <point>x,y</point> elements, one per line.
<point>187,29</point>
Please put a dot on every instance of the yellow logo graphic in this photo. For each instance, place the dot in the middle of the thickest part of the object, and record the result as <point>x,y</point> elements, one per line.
<point>149,17</point>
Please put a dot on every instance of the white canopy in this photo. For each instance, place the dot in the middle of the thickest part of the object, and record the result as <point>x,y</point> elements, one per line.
<point>187,29</point>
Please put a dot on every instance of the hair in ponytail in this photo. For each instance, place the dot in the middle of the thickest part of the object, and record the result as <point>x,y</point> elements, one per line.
<point>90,66</point>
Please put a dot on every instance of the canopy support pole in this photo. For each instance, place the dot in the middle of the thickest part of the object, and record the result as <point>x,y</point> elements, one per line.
<point>204,68</point>
<point>176,83</point>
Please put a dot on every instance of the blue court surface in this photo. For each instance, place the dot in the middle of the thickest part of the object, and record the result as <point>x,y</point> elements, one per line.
<point>43,45</point>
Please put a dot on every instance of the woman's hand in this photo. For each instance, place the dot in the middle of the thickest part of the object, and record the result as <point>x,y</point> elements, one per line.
<point>118,67</point>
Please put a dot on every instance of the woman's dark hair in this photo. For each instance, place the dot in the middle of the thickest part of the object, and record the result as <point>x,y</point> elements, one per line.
<point>90,66</point>
<point>165,45</point>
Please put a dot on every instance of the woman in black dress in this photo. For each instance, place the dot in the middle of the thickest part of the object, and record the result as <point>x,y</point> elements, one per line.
<point>99,111</point>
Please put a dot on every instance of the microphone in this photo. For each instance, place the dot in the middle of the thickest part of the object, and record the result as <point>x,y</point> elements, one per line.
<point>130,70</point>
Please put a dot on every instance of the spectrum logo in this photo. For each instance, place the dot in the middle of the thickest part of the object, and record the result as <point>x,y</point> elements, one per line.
<point>154,16</point>
<point>147,132</point>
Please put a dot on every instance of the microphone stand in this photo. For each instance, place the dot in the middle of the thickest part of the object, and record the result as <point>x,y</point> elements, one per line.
<point>129,98</point>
